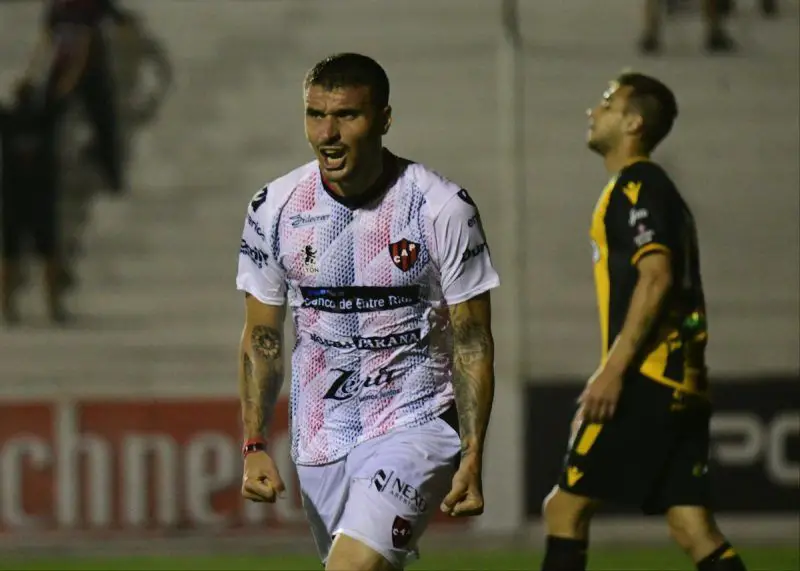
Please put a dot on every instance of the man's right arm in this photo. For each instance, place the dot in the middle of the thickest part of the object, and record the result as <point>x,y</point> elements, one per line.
<point>260,366</point>
<point>263,282</point>
<point>262,279</point>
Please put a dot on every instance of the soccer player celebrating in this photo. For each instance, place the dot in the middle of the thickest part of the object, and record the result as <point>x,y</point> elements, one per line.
<point>641,434</point>
<point>386,268</point>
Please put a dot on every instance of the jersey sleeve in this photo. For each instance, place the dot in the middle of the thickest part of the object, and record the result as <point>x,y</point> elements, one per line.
<point>643,220</point>
<point>259,272</point>
<point>464,258</point>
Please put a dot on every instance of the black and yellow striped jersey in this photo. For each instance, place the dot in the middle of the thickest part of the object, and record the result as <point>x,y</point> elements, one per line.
<point>639,212</point>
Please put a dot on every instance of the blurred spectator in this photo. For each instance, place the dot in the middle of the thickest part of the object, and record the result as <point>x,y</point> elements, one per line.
<point>717,38</point>
<point>768,7</point>
<point>76,58</point>
<point>29,194</point>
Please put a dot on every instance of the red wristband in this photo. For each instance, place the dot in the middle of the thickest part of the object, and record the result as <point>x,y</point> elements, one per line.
<point>253,445</point>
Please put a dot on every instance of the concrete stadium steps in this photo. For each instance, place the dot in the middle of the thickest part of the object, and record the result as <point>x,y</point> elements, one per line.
<point>157,291</point>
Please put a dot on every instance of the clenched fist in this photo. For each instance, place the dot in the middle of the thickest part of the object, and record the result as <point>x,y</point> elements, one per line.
<point>466,492</point>
<point>261,481</point>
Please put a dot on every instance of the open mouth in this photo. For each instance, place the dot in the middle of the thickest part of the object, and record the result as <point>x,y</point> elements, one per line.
<point>333,158</point>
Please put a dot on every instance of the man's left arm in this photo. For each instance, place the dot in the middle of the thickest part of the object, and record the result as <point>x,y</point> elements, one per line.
<point>473,372</point>
<point>641,223</point>
<point>652,286</point>
<point>467,276</point>
<point>647,228</point>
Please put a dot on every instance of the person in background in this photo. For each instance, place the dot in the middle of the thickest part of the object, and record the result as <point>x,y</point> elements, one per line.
<point>717,38</point>
<point>75,57</point>
<point>641,433</point>
<point>29,195</point>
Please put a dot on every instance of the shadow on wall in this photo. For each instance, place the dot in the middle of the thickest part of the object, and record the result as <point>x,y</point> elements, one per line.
<point>142,75</point>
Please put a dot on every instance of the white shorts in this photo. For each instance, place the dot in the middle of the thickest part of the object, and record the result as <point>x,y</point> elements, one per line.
<point>384,492</point>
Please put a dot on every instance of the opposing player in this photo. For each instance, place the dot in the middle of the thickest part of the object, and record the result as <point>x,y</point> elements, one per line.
<point>641,434</point>
<point>387,272</point>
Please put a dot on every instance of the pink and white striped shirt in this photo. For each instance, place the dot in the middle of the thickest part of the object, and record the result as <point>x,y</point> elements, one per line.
<point>368,285</point>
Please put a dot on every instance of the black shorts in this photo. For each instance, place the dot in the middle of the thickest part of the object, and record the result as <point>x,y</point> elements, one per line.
<point>652,454</point>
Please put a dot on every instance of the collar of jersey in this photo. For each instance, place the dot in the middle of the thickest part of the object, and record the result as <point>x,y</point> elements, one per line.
<point>385,181</point>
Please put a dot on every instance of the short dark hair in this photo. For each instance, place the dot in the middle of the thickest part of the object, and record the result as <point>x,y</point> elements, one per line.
<point>351,70</point>
<point>655,102</point>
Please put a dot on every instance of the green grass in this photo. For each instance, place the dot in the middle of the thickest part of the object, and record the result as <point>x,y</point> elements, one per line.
<point>623,559</point>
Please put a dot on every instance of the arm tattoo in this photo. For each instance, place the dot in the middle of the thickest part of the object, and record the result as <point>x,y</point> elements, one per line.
<point>266,342</point>
<point>473,371</point>
<point>261,379</point>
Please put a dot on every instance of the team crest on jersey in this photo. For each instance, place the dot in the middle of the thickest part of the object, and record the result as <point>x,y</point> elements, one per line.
<point>404,254</point>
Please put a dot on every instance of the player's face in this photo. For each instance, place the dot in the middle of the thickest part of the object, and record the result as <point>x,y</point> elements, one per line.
<point>345,130</point>
<point>607,119</point>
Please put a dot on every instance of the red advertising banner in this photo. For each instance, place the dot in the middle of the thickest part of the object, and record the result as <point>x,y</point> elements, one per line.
<point>134,465</point>
<point>131,465</point>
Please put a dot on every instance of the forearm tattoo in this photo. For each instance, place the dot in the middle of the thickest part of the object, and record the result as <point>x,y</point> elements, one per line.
<point>473,374</point>
<point>262,380</point>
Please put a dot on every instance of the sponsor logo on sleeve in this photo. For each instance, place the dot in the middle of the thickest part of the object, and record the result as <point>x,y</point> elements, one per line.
<point>258,256</point>
<point>253,223</point>
<point>474,252</point>
<point>637,214</point>
<point>464,195</point>
<point>259,199</point>
<point>644,236</point>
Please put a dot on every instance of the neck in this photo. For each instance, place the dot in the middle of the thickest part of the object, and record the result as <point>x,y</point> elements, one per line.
<point>624,155</point>
<point>360,183</point>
